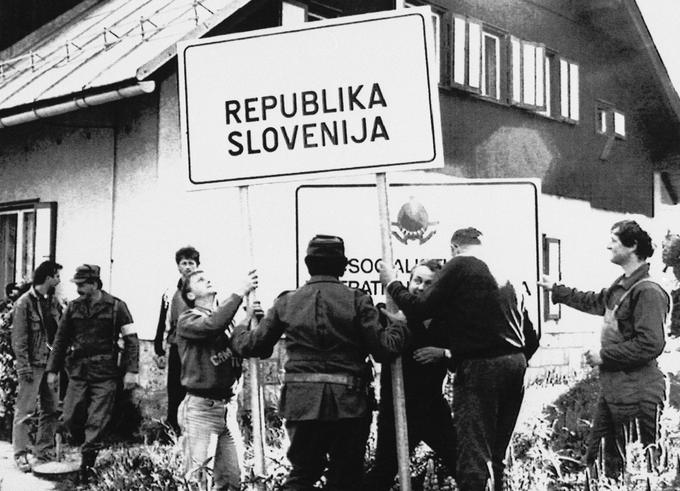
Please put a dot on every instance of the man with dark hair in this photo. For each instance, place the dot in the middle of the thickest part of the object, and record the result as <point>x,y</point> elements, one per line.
<point>87,342</point>
<point>326,398</point>
<point>427,412</point>
<point>210,375</point>
<point>484,326</point>
<point>172,305</point>
<point>36,315</point>
<point>632,387</point>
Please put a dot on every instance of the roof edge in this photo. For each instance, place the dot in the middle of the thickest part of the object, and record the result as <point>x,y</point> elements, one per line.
<point>27,42</point>
<point>654,56</point>
<point>167,54</point>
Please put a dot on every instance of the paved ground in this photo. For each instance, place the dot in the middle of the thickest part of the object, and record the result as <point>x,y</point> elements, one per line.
<point>12,479</point>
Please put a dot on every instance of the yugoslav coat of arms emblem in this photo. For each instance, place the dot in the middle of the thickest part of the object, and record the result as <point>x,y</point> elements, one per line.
<point>413,223</point>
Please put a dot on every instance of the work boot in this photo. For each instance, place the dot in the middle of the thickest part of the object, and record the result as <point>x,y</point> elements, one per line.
<point>87,466</point>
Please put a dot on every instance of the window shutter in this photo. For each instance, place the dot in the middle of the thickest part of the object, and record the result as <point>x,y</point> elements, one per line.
<point>516,70</point>
<point>474,55</point>
<point>459,50</point>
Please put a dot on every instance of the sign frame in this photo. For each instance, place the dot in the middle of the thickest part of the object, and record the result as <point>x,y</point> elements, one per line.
<point>433,159</point>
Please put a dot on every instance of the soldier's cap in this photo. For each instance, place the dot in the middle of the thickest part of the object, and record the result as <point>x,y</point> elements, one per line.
<point>326,246</point>
<point>466,236</point>
<point>86,273</point>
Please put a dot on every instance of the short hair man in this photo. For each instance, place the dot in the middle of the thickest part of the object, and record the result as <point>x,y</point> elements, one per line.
<point>632,387</point>
<point>325,399</point>
<point>89,331</point>
<point>210,375</point>
<point>172,305</point>
<point>428,414</point>
<point>483,322</point>
<point>36,316</point>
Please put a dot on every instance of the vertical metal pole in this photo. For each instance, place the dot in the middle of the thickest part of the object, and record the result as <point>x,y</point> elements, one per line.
<point>256,399</point>
<point>398,398</point>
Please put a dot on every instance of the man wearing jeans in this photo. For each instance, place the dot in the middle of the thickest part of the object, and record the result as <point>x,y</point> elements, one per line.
<point>210,375</point>
<point>36,315</point>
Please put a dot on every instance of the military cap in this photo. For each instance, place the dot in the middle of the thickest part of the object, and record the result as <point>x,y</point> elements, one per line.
<point>466,236</point>
<point>326,246</point>
<point>85,273</point>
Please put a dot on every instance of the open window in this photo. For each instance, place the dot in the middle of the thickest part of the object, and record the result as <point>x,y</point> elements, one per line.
<point>569,91</point>
<point>27,238</point>
<point>527,81</point>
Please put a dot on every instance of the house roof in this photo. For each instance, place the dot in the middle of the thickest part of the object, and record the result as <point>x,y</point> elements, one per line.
<point>99,45</point>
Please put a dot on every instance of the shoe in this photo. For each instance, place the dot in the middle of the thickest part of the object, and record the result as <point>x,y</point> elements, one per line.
<point>22,462</point>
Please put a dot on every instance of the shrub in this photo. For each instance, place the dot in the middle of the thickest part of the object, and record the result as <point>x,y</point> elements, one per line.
<point>8,376</point>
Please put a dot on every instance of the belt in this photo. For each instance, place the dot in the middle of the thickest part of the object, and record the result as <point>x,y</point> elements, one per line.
<point>325,378</point>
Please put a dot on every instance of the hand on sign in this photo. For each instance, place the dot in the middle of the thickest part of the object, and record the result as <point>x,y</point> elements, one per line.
<point>546,283</point>
<point>429,354</point>
<point>255,310</point>
<point>387,273</point>
<point>250,282</point>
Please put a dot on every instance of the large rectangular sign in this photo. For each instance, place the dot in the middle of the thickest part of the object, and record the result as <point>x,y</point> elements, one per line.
<point>423,218</point>
<point>351,95</point>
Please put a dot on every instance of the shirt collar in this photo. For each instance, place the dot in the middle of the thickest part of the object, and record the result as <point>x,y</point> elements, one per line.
<point>323,278</point>
<point>627,281</point>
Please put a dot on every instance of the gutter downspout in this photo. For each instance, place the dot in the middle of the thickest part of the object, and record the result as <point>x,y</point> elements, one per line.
<point>139,88</point>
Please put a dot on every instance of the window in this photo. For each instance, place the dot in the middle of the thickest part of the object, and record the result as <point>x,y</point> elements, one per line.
<point>569,90</point>
<point>476,57</point>
<point>610,121</point>
<point>619,124</point>
<point>296,13</point>
<point>436,31</point>
<point>491,67</point>
<point>26,239</point>
<point>528,70</point>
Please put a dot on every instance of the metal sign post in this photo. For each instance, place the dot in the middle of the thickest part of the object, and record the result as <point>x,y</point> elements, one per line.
<point>256,397</point>
<point>398,396</point>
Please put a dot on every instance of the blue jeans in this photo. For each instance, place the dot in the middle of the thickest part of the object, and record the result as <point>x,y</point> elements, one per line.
<point>26,404</point>
<point>211,438</point>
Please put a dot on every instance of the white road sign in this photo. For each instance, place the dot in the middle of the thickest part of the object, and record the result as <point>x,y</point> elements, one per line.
<point>423,218</point>
<point>344,96</point>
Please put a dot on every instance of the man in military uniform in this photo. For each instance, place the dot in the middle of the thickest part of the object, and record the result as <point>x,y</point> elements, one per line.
<point>89,332</point>
<point>330,330</point>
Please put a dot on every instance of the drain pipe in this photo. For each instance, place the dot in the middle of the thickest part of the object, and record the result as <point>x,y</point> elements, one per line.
<point>139,88</point>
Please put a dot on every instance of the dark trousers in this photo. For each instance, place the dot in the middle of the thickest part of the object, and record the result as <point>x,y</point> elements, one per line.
<point>98,398</point>
<point>487,395</point>
<point>338,445</point>
<point>432,425</point>
<point>613,422</point>
<point>176,392</point>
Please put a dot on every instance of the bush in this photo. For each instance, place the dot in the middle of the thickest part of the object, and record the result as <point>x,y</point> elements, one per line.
<point>8,376</point>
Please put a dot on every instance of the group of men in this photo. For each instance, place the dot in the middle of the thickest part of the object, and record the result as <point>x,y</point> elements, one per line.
<point>93,338</point>
<point>459,318</point>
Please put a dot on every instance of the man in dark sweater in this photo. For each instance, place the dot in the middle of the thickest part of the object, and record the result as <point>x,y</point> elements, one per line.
<point>210,375</point>
<point>484,328</point>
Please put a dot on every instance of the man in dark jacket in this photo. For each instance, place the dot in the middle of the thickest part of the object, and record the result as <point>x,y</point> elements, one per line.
<point>632,388</point>
<point>484,324</point>
<point>210,375</point>
<point>428,414</point>
<point>36,316</point>
<point>172,305</point>
<point>330,330</point>
<point>87,343</point>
